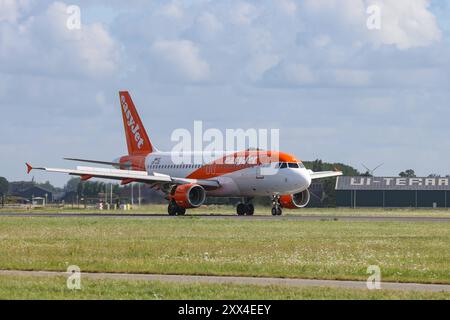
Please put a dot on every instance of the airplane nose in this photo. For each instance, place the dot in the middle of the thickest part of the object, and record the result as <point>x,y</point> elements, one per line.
<point>305,178</point>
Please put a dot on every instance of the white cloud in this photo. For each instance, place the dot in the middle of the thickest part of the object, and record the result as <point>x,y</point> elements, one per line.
<point>209,22</point>
<point>10,10</point>
<point>287,6</point>
<point>289,74</point>
<point>322,40</point>
<point>172,10</point>
<point>181,58</point>
<point>43,44</point>
<point>243,13</point>
<point>406,24</point>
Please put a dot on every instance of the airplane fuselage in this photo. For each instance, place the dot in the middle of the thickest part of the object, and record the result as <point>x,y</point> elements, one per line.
<point>240,174</point>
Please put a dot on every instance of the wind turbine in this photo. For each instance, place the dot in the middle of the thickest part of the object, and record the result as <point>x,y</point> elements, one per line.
<point>371,172</point>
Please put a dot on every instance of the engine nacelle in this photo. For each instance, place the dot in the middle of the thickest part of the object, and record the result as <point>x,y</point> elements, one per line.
<point>295,201</point>
<point>189,195</point>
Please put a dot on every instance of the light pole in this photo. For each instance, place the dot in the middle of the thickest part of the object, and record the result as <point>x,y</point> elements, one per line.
<point>111,197</point>
<point>132,195</point>
<point>139,197</point>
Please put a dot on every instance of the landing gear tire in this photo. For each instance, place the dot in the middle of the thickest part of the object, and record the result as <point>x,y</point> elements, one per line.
<point>175,210</point>
<point>277,211</point>
<point>172,209</point>
<point>274,211</point>
<point>241,209</point>
<point>276,207</point>
<point>250,209</point>
<point>181,211</point>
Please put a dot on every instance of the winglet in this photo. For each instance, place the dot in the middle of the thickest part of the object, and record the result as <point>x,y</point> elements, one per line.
<point>29,167</point>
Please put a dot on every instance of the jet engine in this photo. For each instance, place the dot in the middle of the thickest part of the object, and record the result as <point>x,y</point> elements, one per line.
<point>294,201</point>
<point>189,195</point>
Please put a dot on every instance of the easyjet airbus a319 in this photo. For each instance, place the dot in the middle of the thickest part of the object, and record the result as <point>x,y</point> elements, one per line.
<point>243,174</point>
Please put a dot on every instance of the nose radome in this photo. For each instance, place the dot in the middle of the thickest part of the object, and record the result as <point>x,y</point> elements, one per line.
<point>306,177</point>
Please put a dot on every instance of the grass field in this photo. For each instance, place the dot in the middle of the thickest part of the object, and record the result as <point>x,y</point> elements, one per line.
<point>260,210</point>
<point>405,252</point>
<point>55,288</point>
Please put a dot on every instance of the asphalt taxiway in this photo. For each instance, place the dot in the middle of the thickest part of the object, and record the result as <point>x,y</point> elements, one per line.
<point>230,216</point>
<point>237,280</point>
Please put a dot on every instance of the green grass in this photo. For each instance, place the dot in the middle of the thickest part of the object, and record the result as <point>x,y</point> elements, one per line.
<point>405,252</point>
<point>55,288</point>
<point>259,210</point>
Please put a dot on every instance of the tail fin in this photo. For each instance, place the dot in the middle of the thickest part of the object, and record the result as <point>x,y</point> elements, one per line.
<point>137,139</point>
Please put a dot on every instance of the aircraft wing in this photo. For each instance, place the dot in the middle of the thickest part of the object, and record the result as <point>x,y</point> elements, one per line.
<point>126,176</point>
<point>324,174</point>
<point>117,164</point>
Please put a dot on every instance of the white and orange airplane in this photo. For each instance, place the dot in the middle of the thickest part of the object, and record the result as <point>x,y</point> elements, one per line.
<point>232,174</point>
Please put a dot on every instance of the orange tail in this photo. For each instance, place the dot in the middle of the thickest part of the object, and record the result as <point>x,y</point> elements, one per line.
<point>137,140</point>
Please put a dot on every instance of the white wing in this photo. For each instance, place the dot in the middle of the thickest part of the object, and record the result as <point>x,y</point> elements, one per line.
<point>127,176</point>
<point>324,174</point>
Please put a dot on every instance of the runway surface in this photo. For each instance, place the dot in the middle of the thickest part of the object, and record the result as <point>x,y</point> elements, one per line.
<point>236,280</point>
<point>230,216</point>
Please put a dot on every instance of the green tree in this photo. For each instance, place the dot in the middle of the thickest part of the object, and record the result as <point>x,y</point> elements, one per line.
<point>366,174</point>
<point>47,185</point>
<point>317,165</point>
<point>407,174</point>
<point>4,186</point>
<point>72,185</point>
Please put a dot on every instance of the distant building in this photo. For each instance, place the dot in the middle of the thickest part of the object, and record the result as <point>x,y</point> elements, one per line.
<point>392,192</point>
<point>30,192</point>
<point>316,191</point>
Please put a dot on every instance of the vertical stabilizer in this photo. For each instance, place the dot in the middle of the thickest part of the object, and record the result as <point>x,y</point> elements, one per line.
<point>137,139</point>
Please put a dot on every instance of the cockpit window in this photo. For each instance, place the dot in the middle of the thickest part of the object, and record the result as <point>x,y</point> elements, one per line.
<point>282,165</point>
<point>301,165</point>
<point>293,165</point>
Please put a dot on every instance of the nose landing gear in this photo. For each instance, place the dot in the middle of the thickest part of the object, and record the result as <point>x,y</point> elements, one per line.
<point>276,207</point>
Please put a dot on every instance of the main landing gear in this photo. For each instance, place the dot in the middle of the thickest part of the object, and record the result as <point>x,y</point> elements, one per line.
<point>276,207</point>
<point>175,210</point>
<point>245,208</point>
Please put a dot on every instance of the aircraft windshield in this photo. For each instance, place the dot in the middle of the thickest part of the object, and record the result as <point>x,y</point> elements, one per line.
<point>293,165</point>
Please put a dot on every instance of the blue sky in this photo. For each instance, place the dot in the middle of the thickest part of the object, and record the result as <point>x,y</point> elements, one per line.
<point>336,90</point>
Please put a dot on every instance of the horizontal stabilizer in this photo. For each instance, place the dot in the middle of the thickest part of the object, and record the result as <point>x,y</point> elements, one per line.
<point>117,164</point>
